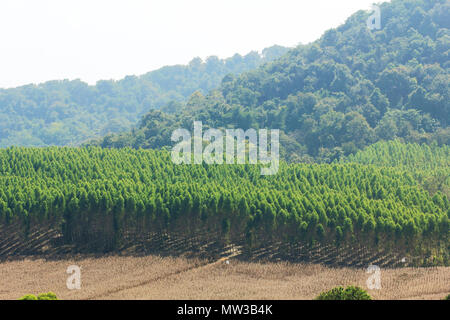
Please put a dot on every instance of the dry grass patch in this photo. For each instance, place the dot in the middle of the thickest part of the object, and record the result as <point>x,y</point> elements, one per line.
<point>155,277</point>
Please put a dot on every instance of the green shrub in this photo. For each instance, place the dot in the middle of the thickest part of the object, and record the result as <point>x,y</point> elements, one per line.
<point>447,297</point>
<point>29,297</point>
<point>47,296</point>
<point>41,296</point>
<point>349,293</point>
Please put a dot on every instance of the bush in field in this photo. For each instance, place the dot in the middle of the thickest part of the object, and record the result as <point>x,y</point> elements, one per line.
<point>29,297</point>
<point>47,296</point>
<point>41,296</point>
<point>447,297</point>
<point>349,293</point>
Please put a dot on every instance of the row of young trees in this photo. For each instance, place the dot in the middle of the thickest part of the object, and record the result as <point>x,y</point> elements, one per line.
<point>411,156</point>
<point>427,163</point>
<point>101,198</point>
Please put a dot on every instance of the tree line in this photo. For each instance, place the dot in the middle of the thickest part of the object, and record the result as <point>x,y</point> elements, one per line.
<point>428,163</point>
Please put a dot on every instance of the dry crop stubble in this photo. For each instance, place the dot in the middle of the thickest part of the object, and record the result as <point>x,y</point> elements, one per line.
<point>154,277</point>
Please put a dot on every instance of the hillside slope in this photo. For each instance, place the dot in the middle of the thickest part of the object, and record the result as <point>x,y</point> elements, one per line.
<point>349,89</point>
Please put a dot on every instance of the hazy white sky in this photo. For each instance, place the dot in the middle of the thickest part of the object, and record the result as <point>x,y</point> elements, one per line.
<point>44,40</point>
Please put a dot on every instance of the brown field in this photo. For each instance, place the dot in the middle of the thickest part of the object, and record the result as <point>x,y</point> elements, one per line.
<point>153,277</point>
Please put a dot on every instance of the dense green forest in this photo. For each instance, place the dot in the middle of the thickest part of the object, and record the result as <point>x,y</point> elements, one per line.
<point>71,112</point>
<point>104,197</point>
<point>347,90</point>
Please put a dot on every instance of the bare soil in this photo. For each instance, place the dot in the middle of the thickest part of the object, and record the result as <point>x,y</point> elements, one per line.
<point>154,277</point>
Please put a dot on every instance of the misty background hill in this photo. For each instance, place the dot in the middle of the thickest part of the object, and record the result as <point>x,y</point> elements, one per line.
<point>70,112</point>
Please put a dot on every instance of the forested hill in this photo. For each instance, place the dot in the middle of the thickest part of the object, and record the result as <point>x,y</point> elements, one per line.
<point>349,89</point>
<point>70,112</point>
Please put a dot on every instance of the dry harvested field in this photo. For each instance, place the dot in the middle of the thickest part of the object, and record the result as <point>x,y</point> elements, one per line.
<point>154,277</point>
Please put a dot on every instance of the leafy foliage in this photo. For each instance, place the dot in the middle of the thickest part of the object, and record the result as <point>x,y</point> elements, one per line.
<point>349,89</point>
<point>41,296</point>
<point>47,296</point>
<point>70,112</point>
<point>349,293</point>
<point>29,297</point>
